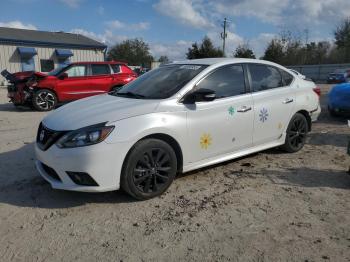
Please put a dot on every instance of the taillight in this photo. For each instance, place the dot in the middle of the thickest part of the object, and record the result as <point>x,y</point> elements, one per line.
<point>317,90</point>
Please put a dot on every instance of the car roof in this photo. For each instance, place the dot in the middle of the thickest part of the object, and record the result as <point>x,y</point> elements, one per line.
<point>100,62</point>
<point>222,60</point>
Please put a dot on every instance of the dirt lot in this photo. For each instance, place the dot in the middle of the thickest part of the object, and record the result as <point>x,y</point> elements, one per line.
<point>269,206</point>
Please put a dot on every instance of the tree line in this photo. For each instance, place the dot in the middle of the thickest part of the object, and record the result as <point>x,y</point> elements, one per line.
<point>287,48</point>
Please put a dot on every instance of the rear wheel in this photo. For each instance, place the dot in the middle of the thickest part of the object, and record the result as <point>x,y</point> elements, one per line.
<point>149,169</point>
<point>296,133</point>
<point>44,100</point>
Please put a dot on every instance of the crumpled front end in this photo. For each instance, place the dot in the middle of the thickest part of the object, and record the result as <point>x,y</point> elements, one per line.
<point>21,86</point>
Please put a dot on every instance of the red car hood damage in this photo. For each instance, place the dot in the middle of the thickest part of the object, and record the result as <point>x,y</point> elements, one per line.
<point>20,76</point>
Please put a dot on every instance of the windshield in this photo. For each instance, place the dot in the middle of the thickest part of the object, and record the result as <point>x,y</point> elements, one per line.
<point>160,83</point>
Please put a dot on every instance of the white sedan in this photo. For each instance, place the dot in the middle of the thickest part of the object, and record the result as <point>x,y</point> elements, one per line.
<point>177,118</point>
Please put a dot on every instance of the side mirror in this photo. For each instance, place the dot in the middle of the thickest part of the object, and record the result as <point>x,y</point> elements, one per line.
<point>63,76</point>
<point>199,95</point>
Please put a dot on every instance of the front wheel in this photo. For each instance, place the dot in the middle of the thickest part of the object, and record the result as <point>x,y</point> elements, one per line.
<point>149,169</point>
<point>296,133</point>
<point>44,100</point>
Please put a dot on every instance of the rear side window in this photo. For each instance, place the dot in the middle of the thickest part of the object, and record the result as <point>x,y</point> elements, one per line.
<point>116,68</point>
<point>226,81</point>
<point>102,69</point>
<point>287,78</point>
<point>265,77</point>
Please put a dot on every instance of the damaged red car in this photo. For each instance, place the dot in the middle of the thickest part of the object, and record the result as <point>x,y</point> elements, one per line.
<point>74,81</point>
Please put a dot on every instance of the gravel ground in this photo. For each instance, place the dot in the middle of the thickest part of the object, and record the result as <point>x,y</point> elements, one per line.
<point>269,206</point>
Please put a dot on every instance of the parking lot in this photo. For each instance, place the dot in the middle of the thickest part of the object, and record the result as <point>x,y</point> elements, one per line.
<point>270,206</point>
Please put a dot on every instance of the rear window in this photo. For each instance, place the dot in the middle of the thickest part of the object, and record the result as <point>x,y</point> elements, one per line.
<point>264,77</point>
<point>115,68</point>
<point>287,78</point>
<point>102,69</point>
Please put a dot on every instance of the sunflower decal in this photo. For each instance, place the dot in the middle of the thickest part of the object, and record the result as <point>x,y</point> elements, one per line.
<point>205,141</point>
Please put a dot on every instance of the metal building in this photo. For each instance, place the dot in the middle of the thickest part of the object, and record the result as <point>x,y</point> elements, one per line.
<point>32,50</point>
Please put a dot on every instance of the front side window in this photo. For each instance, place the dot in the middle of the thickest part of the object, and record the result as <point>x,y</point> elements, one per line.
<point>264,77</point>
<point>160,83</point>
<point>100,69</point>
<point>76,71</point>
<point>27,64</point>
<point>46,65</point>
<point>226,81</point>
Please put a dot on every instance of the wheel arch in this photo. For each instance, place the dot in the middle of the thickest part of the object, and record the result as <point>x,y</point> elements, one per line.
<point>307,116</point>
<point>114,87</point>
<point>170,141</point>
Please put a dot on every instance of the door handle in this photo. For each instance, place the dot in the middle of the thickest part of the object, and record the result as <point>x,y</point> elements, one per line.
<point>244,109</point>
<point>287,101</point>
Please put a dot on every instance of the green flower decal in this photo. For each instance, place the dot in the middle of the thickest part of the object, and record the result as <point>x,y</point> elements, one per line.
<point>231,110</point>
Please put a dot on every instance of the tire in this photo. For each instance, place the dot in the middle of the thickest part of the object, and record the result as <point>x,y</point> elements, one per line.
<point>149,169</point>
<point>296,133</point>
<point>44,100</point>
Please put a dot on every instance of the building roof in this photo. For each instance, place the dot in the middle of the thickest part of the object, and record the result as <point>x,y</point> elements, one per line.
<point>43,38</point>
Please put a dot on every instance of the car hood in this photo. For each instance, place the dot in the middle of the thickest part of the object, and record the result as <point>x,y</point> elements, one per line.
<point>95,110</point>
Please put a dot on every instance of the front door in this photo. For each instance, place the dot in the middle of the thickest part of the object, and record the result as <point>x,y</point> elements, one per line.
<point>224,125</point>
<point>273,103</point>
<point>74,85</point>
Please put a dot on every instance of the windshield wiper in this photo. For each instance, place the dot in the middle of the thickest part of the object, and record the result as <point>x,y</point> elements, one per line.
<point>130,94</point>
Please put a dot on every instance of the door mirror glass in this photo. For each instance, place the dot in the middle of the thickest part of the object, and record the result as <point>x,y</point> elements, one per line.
<point>200,95</point>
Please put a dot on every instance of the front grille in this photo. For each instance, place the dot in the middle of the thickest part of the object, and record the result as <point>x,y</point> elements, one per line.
<point>47,137</point>
<point>51,172</point>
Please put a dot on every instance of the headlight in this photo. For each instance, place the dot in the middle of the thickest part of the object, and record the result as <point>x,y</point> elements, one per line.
<point>85,136</point>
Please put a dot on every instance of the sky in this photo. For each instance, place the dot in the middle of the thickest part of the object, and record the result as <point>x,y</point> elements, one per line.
<point>171,26</point>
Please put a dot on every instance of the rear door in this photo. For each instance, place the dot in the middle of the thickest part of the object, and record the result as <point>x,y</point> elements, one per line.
<point>273,99</point>
<point>118,76</point>
<point>100,79</point>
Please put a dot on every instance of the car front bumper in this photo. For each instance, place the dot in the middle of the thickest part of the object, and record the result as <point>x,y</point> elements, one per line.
<point>102,162</point>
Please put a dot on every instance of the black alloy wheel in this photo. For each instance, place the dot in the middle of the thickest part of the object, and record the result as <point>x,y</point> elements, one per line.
<point>296,133</point>
<point>150,169</point>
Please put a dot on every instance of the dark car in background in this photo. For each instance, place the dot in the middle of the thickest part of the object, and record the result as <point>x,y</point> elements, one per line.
<point>69,83</point>
<point>339,76</point>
